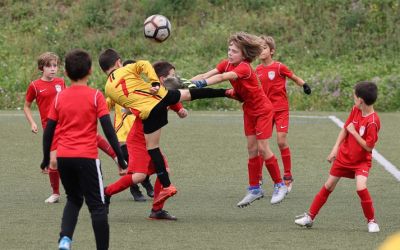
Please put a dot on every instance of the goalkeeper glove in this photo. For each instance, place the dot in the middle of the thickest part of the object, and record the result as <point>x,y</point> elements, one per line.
<point>306,89</point>
<point>200,83</point>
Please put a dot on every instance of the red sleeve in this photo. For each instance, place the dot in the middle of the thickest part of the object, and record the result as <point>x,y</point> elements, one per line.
<point>284,70</point>
<point>221,66</point>
<point>243,71</point>
<point>53,113</point>
<point>30,93</point>
<point>176,107</point>
<point>372,134</point>
<point>351,116</point>
<point>101,105</point>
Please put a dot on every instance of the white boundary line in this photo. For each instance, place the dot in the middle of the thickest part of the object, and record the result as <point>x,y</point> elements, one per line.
<point>375,154</point>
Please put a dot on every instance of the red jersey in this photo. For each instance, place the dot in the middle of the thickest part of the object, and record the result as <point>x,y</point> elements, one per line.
<point>350,151</point>
<point>273,81</point>
<point>44,92</point>
<point>77,109</point>
<point>246,86</point>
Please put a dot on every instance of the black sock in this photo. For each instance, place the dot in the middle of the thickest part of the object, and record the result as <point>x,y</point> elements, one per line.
<point>206,93</point>
<point>159,165</point>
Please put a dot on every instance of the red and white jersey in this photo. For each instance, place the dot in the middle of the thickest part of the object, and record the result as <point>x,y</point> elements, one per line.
<point>44,92</point>
<point>76,109</point>
<point>273,81</point>
<point>350,151</point>
<point>247,87</point>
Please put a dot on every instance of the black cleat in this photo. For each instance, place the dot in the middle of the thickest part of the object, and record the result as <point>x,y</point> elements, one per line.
<point>149,188</point>
<point>136,193</point>
<point>161,215</point>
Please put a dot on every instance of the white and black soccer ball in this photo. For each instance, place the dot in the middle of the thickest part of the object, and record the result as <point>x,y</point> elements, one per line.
<point>157,28</point>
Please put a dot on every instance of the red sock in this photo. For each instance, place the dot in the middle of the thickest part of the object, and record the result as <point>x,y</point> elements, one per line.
<point>157,189</point>
<point>121,184</point>
<point>54,177</point>
<point>273,169</point>
<point>261,160</point>
<point>287,163</point>
<point>366,204</point>
<point>105,146</point>
<point>254,168</point>
<point>319,201</point>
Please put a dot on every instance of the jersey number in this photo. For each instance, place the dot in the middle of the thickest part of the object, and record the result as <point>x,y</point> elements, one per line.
<point>122,82</point>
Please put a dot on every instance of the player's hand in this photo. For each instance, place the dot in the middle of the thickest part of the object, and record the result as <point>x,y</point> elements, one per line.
<point>155,87</point>
<point>182,113</point>
<point>332,156</point>
<point>306,89</point>
<point>34,128</point>
<point>44,165</point>
<point>122,172</point>
<point>199,83</point>
<point>351,129</point>
<point>45,171</point>
<point>122,164</point>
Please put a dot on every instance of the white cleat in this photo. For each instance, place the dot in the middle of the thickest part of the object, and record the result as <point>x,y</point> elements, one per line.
<point>251,196</point>
<point>304,220</point>
<point>289,183</point>
<point>373,227</point>
<point>279,193</point>
<point>54,198</point>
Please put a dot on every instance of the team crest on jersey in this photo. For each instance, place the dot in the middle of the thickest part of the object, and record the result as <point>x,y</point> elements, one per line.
<point>271,75</point>
<point>362,130</point>
<point>58,88</point>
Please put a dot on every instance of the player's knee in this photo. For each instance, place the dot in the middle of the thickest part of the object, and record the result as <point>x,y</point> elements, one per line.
<point>282,144</point>
<point>77,201</point>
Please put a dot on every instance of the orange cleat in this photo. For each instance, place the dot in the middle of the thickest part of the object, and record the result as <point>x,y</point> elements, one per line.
<point>164,194</point>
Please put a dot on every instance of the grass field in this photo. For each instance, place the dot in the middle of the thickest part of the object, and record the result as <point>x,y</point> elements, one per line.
<point>208,157</point>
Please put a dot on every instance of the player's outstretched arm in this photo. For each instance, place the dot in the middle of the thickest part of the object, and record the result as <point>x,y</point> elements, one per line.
<point>109,132</point>
<point>215,79</point>
<point>205,75</point>
<point>300,82</point>
<point>48,135</point>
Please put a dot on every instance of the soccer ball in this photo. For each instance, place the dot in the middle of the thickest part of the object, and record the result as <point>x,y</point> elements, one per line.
<point>157,28</point>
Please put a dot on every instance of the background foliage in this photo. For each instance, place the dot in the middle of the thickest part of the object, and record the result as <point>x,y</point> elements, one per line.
<point>331,44</point>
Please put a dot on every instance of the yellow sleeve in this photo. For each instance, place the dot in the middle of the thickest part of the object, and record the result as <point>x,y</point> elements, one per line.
<point>110,103</point>
<point>145,67</point>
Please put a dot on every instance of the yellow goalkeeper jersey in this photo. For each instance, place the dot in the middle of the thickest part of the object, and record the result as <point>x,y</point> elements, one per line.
<point>126,87</point>
<point>122,122</point>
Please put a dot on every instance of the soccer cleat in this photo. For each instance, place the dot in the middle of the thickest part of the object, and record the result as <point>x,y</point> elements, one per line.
<point>65,243</point>
<point>164,194</point>
<point>289,183</point>
<point>136,193</point>
<point>161,215</point>
<point>304,220</point>
<point>279,193</point>
<point>149,188</point>
<point>54,198</point>
<point>251,196</point>
<point>373,227</point>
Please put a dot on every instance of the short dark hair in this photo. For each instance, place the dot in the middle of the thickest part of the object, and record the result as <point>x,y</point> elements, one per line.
<point>46,58</point>
<point>129,61</point>
<point>163,68</point>
<point>368,91</point>
<point>77,64</point>
<point>108,58</point>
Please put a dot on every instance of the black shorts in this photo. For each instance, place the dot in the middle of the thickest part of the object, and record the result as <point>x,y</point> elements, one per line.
<point>82,178</point>
<point>158,116</point>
